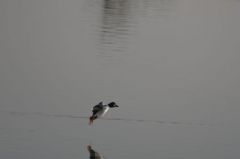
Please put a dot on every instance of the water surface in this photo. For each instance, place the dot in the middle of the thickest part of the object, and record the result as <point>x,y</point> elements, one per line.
<point>172,66</point>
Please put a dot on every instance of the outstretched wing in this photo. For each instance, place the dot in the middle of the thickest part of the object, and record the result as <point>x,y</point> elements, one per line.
<point>97,108</point>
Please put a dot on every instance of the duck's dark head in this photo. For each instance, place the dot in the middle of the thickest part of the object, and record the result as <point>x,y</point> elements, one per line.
<point>112,105</point>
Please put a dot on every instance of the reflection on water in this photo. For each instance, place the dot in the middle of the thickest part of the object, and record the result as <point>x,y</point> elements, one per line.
<point>114,27</point>
<point>93,154</point>
<point>157,8</point>
<point>119,20</point>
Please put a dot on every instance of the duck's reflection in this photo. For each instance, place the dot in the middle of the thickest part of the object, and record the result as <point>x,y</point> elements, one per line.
<point>93,154</point>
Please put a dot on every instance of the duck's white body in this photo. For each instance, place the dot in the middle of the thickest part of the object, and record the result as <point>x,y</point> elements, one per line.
<point>102,112</point>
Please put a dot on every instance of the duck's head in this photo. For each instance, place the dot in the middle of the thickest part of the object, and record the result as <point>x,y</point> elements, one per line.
<point>112,105</point>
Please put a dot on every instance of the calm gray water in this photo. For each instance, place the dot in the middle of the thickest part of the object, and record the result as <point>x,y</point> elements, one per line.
<point>173,67</point>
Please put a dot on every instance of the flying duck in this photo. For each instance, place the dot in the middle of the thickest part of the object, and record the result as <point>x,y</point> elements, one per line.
<point>100,110</point>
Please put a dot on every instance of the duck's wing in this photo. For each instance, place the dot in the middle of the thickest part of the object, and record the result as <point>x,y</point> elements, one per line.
<point>97,108</point>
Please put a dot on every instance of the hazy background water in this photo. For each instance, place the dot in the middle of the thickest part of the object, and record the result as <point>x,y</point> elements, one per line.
<point>171,65</point>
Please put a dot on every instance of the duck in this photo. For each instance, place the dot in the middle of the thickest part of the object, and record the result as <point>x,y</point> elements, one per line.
<point>100,110</point>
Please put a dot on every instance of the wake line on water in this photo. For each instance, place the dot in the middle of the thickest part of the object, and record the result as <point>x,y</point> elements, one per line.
<point>16,113</point>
